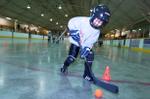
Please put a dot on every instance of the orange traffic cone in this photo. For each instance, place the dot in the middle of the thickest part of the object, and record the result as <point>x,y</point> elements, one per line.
<point>106,75</point>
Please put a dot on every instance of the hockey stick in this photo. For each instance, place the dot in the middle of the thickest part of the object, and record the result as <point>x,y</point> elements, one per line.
<point>61,35</point>
<point>101,83</point>
<point>108,86</point>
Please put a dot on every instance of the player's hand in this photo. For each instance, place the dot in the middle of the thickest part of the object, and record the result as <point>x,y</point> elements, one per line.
<point>84,52</point>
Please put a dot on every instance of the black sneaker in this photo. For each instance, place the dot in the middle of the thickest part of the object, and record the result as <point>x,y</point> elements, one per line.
<point>86,77</point>
<point>64,70</point>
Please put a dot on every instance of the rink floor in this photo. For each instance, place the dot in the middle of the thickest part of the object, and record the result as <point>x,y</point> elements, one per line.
<point>30,70</point>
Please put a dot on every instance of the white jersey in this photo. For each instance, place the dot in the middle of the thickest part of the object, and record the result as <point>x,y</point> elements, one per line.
<point>88,34</point>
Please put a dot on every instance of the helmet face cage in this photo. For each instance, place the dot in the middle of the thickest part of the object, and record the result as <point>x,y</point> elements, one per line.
<point>101,12</point>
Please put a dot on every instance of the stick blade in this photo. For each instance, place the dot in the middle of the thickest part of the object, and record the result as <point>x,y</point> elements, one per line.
<point>108,86</point>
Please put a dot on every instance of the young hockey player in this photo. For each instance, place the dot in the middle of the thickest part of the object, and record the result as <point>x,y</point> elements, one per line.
<point>84,32</point>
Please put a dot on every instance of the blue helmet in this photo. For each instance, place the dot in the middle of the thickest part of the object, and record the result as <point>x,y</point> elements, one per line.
<point>101,12</point>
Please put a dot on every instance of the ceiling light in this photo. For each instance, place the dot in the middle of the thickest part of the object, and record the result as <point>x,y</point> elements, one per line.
<point>61,26</point>
<point>133,30</point>
<point>66,15</point>
<point>28,6</point>
<point>51,19</point>
<point>8,18</point>
<point>42,14</point>
<point>91,10</point>
<point>56,23</point>
<point>59,7</point>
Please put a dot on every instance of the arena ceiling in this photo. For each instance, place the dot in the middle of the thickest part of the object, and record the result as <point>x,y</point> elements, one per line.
<point>125,13</point>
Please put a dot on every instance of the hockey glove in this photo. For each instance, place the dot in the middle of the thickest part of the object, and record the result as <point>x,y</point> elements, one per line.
<point>84,52</point>
<point>75,35</point>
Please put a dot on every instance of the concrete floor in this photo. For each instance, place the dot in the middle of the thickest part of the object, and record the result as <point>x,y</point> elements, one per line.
<point>30,70</point>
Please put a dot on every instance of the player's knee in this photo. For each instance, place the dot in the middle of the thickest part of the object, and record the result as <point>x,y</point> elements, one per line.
<point>70,59</point>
